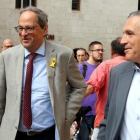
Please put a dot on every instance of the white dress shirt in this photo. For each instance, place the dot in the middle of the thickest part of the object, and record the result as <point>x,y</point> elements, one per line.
<point>131,124</point>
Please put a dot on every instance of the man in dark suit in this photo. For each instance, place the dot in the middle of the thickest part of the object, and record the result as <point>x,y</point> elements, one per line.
<point>33,78</point>
<point>122,115</point>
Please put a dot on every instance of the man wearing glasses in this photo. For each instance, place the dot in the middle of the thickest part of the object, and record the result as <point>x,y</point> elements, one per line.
<point>33,79</point>
<point>95,58</point>
<point>99,79</point>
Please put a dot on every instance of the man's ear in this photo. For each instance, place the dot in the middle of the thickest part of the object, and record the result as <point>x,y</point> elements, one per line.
<point>2,48</point>
<point>46,29</point>
<point>112,52</point>
<point>89,52</point>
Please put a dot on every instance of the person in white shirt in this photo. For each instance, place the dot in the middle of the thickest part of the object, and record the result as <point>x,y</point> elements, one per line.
<point>122,115</point>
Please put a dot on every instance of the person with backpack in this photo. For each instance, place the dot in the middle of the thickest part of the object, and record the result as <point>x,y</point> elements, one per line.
<point>95,57</point>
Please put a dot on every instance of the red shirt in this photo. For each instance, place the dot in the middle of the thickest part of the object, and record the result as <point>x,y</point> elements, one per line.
<point>99,79</point>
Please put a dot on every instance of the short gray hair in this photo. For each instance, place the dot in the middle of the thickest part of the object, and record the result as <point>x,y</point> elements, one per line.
<point>42,17</point>
<point>135,13</point>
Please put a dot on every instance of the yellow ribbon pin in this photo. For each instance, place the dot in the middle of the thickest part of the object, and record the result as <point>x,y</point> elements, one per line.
<point>53,62</point>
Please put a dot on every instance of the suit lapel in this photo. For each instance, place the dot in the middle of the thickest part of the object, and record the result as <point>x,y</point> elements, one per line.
<point>50,53</point>
<point>123,89</point>
<point>19,70</point>
<point>122,93</point>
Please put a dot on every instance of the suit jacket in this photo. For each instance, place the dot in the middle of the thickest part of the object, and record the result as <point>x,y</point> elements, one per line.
<point>119,84</point>
<point>11,71</point>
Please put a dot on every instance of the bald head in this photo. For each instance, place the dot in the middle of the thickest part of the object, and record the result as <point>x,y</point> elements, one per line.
<point>7,43</point>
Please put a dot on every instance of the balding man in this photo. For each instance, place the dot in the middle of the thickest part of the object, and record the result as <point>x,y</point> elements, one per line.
<point>7,43</point>
<point>122,115</point>
<point>33,78</point>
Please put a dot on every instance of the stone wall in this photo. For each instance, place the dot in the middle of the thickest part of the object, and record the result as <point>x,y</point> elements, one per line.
<point>100,20</point>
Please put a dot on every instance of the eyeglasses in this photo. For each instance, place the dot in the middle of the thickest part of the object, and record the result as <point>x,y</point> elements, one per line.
<point>28,29</point>
<point>98,50</point>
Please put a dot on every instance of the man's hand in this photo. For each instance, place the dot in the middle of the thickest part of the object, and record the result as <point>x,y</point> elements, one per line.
<point>90,90</point>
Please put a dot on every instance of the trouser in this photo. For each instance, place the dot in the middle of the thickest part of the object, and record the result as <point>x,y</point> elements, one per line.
<point>84,130</point>
<point>48,134</point>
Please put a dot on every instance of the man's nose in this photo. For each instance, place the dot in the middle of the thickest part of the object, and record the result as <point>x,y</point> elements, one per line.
<point>23,32</point>
<point>124,40</point>
<point>100,51</point>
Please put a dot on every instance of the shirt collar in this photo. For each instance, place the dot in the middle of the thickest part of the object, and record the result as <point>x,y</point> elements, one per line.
<point>135,66</point>
<point>120,57</point>
<point>41,50</point>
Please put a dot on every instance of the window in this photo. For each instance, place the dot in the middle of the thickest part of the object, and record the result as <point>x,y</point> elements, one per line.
<point>76,5</point>
<point>139,5</point>
<point>25,3</point>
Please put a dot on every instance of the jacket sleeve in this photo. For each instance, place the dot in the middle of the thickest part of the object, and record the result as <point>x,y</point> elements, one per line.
<point>77,89</point>
<point>2,88</point>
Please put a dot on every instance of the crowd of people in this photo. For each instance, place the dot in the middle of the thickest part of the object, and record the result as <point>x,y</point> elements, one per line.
<point>97,79</point>
<point>43,86</point>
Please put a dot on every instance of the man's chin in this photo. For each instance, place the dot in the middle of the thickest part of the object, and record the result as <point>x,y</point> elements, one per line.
<point>25,45</point>
<point>129,58</point>
<point>99,60</point>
